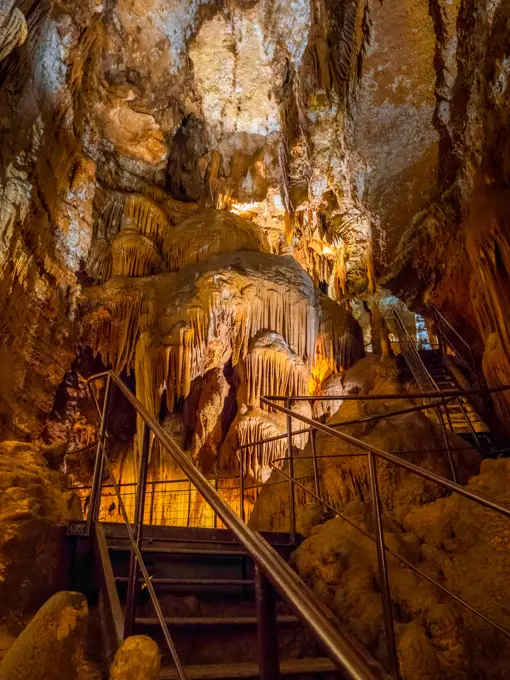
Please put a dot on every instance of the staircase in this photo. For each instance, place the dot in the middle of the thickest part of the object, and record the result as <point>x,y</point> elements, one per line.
<point>206,587</point>
<point>461,416</point>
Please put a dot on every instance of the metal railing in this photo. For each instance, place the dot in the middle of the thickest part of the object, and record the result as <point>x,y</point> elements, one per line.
<point>373,453</point>
<point>459,346</point>
<point>167,502</point>
<point>426,383</point>
<point>271,571</point>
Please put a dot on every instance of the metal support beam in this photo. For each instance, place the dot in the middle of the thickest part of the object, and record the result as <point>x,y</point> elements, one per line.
<point>267,628</point>
<point>97,479</point>
<point>383,568</point>
<point>292,499</point>
<point>132,591</point>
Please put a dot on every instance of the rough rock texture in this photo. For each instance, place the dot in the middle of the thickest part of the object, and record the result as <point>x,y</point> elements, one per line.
<point>459,244</point>
<point>414,437</point>
<point>454,541</point>
<point>33,509</point>
<point>330,126</point>
<point>52,645</point>
<point>139,658</point>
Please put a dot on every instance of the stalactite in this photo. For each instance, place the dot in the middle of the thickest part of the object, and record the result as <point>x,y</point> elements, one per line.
<point>13,27</point>
<point>270,367</point>
<point>150,371</point>
<point>340,272</point>
<point>113,330</point>
<point>136,227</point>
<point>285,312</point>
<point>213,174</point>
<point>185,359</point>
<point>255,425</point>
<point>218,233</point>
<point>349,50</point>
<point>283,160</point>
<point>148,217</point>
<point>134,254</point>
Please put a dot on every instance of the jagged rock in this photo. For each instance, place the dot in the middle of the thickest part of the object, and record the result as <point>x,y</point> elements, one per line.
<point>453,540</point>
<point>139,658</point>
<point>340,564</point>
<point>52,645</point>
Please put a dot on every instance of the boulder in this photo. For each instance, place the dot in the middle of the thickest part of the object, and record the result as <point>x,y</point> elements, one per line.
<point>139,658</point>
<point>52,645</point>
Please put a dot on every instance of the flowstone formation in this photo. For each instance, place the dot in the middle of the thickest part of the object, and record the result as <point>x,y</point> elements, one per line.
<point>227,324</point>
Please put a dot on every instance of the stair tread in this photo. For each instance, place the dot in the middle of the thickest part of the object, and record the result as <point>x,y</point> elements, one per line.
<point>212,620</point>
<point>248,670</point>
<point>194,581</point>
<point>168,550</point>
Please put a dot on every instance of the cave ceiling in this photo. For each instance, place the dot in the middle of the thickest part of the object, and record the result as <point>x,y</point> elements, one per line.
<point>134,133</point>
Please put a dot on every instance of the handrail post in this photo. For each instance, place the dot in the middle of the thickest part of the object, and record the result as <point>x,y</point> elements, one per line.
<point>469,423</point>
<point>267,629</point>
<point>215,520</point>
<point>241,484</point>
<point>383,567</point>
<point>315,461</point>
<point>439,330</point>
<point>95,494</point>
<point>292,507</point>
<point>151,513</point>
<point>138,534</point>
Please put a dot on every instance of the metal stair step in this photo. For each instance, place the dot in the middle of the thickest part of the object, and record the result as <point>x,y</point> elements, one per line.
<point>193,581</point>
<point>202,621</point>
<point>249,670</point>
<point>169,550</point>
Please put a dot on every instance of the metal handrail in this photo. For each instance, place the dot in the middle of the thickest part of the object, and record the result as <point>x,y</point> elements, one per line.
<point>443,318</point>
<point>425,382</point>
<point>408,564</point>
<point>345,654</point>
<point>440,318</point>
<point>372,454</point>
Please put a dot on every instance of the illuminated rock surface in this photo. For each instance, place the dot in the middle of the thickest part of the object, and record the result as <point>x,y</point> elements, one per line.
<point>219,200</point>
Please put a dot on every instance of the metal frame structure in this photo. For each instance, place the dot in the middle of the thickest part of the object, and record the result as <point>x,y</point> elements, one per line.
<point>272,572</point>
<point>373,454</point>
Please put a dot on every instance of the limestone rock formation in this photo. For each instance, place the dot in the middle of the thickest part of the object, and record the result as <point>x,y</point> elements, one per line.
<point>414,437</point>
<point>52,645</point>
<point>13,28</point>
<point>454,541</point>
<point>139,658</point>
<point>33,509</point>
